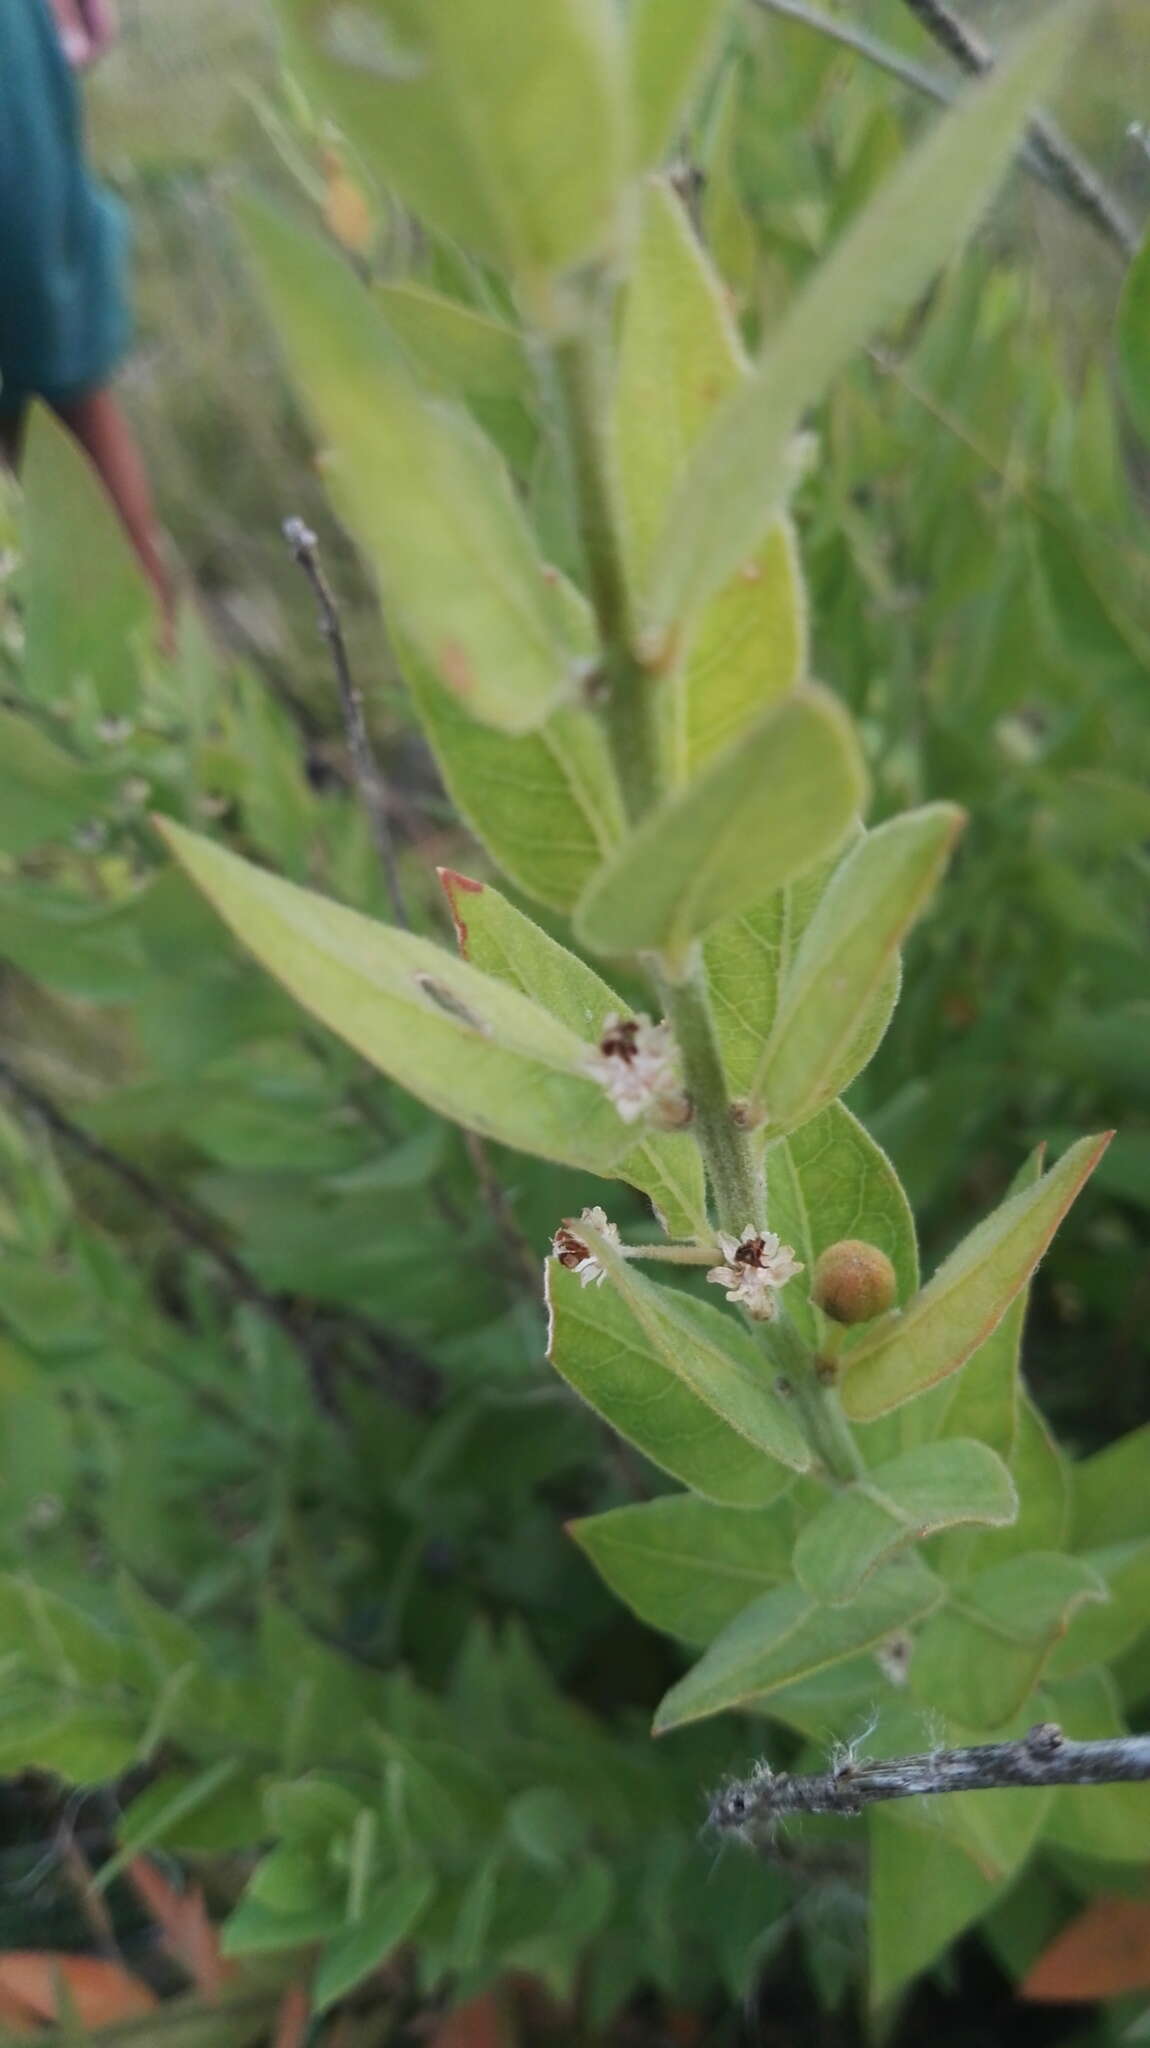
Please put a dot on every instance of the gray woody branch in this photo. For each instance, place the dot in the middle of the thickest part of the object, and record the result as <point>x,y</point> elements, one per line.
<point>749,1808</point>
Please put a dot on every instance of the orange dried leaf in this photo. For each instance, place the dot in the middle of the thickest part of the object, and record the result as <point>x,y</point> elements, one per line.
<point>101,1993</point>
<point>293,2017</point>
<point>182,1918</point>
<point>1102,1954</point>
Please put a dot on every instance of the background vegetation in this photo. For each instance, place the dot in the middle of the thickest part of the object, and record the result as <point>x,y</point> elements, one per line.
<point>272,1395</point>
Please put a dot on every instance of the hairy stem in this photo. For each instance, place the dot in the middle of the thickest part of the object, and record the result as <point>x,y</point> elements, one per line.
<point>735,1183</point>
<point>1044,1756</point>
<point>827,1430</point>
<point>624,689</point>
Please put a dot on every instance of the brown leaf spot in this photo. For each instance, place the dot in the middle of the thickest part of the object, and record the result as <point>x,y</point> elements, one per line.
<point>454,886</point>
<point>454,665</point>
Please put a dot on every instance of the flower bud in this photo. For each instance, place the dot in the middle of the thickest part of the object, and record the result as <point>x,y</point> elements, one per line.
<point>853,1281</point>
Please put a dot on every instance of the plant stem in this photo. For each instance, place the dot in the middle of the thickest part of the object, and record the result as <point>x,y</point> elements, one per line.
<point>1044,1756</point>
<point>827,1430</point>
<point>624,689</point>
<point>735,1181</point>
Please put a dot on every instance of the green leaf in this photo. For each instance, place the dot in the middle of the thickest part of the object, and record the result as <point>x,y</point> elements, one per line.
<point>924,1891</point>
<point>739,476</point>
<point>785,1636</point>
<point>390,1915</point>
<point>678,1379</point>
<point>968,1296</point>
<point>748,960</point>
<point>566,816</point>
<point>44,792</point>
<point>935,1487</point>
<point>685,1566</point>
<point>78,630</point>
<point>453,346</point>
<point>1097,1635</point>
<point>845,956</point>
<point>771,805</point>
<point>1107,1822</point>
<point>1041,1473</point>
<point>501,126</point>
<point>670,46</point>
<point>979,1658</point>
<point>983,1400</point>
<point>828,1181</point>
<point>254,1929</point>
<point>502,942</point>
<point>679,353</point>
<point>1133,338</point>
<point>426,496</point>
<point>1112,1492</point>
<point>472,1049</point>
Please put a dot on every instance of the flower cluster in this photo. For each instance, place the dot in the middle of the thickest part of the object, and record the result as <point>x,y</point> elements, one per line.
<point>757,1265</point>
<point>638,1064</point>
<point>578,1257</point>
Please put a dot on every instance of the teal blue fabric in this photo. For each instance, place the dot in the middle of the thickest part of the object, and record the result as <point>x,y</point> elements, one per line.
<point>64,321</point>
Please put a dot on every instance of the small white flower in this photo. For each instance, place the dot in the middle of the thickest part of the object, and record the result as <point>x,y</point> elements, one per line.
<point>757,1265</point>
<point>578,1257</point>
<point>638,1064</point>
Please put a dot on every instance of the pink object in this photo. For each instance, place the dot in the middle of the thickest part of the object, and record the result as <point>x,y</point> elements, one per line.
<point>86,28</point>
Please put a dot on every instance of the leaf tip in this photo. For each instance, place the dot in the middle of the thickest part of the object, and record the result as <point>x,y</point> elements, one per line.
<point>455,885</point>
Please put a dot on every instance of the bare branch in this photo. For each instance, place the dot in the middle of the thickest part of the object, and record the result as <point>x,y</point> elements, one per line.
<point>750,1808</point>
<point>369,782</point>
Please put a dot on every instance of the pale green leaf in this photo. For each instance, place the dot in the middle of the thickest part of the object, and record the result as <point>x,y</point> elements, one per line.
<point>425,495</point>
<point>968,1296</point>
<point>679,353</point>
<point>1042,1474</point>
<point>502,126</point>
<point>771,805</point>
<point>672,1383</point>
<point>79,630</point>
<point>828,1181</point>
<point>738,478</point>
<point>938,1486</point>
<point>470,1048</point>
<point>502,942</point>
<point>686,1566</point>
<point>845,955</point>
<point>785,1636</point>
<point>670,44</point>
<point>390,1915</point>
<point>748,959</point>
<point>1112,1492</point>
<point>983,1399</point>
<point>454,346</point>
<point>979,1658</point>
<point>1133,336</point>
<point>544,803</point>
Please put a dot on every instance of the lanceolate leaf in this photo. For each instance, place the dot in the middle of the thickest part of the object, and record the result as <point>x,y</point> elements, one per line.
<point>453,346</point>
<point>670,42</point>
<point>685,1566</point>
<point>504,128</point>
<point>500,941</point>
<point>828,1181</point>
<point>844,956</point>
<point>424,493</point>
<point>936,1487</point>
<point>543,803</point>
<point>749,957</point>
<point>978,1660</point>
<point>968,1296</point>
<point>785,1636</point>
<point>471,1048</point>
<point>1134,340</point>
<point>671,1383</point>
<point>772,805</point>
<point>738,478</point>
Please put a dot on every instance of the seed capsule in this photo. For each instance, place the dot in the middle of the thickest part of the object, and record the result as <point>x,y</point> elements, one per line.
<point>853,1281</point>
